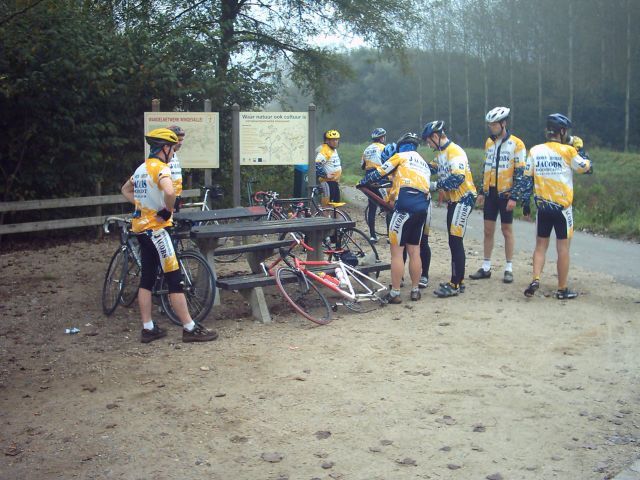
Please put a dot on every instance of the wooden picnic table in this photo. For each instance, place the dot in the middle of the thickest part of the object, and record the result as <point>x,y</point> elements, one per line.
<point>222,214</point>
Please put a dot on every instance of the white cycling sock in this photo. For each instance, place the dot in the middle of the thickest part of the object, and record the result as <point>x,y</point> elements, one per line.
<point>189,326</point>
<point>486,265</point>
<point>394,293</point>
<point>148,325</point>
<point>508,267</point>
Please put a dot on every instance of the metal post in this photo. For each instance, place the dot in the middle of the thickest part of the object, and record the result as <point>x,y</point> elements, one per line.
<point>207,171</point>
<point>235,152</point>
<point>155,105</point>
<point>311,173</point>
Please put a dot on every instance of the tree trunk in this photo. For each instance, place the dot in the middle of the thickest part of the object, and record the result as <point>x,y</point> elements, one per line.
<point>540,87</point>
<point>628,93</point>
<point>570,106</point>
<point>229,13</point>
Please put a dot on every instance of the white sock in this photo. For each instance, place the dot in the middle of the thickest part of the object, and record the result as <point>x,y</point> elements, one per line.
<point>486,265</point>
<point>148,325</point>
<point>508,267</point>
<point>189,326</point>
<point>394,293</point>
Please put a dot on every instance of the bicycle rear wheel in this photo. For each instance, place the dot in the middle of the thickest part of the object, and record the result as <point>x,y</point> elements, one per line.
<point>380,224</point>
<point>198,286</point>
<point>113,281</point>
<point>303,295</point>
<point>131,282</point>
<point>356,242</point>
<point>227,242</point>
<point>330,212</point>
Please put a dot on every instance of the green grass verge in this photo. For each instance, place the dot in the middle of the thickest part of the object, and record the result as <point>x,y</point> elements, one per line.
<point>606,202</point>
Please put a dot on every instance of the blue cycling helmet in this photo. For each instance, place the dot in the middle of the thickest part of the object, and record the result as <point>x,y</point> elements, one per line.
<point>389,151</point>
<point>410,138</point>
<point>377,133</point>
<point>556,121</point>
<point>437,126</point>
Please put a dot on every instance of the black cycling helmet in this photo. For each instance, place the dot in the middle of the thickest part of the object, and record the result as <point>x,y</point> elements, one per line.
<point>437,126</point>
<point>557,121</point>
<point>409,137</point>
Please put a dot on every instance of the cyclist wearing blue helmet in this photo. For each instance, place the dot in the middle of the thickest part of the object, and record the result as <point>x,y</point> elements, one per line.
<point>549,174</point>
<point>411,183</point>
<point>369,162</point>
<point>455,182</point>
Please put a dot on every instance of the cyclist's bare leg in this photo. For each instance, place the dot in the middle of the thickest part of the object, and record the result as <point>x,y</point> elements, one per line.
<point>509,242</point>
<point>145,305</point>
<point>489,232</point>
<point>415,264</point>
<point>562,247</point>
<point>539,254</point>
<point>397,266</point>
<point>179,305</point>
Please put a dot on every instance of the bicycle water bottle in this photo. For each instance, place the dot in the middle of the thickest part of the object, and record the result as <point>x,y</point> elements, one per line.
<point>328,277</point>
<point>341,277</point>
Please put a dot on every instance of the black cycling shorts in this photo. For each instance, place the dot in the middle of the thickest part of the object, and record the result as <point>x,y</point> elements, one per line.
<point>406,228</point>
<point>559,220</point>
<point>153,246</point>
<point>494,204</point>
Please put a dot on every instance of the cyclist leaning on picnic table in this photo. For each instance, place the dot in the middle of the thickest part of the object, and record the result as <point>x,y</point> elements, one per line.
<point>151,190</point>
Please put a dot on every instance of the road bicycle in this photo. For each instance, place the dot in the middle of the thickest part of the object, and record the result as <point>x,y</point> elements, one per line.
<point>300,285</point>
<point>381,226</point>
<point>121,280</point>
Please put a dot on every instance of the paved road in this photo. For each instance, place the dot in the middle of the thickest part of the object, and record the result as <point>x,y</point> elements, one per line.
<point>598,254</point>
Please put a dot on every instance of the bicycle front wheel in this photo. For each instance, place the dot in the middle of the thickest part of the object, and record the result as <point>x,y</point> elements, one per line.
<point>198,286</point>
<point>113,281</point>
<point>303,295</point>
<point>131,282</point>
<point>331,212</point>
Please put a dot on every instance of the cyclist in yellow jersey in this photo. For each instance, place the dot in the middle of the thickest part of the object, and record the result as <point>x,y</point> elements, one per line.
<point>549,173</point>
<point>411,176</point>
<point>174,165</point>
<point>328,167</point>
<point>151,190</point>
<point>455,181</point>
<point>505,160</point>
<point>370,161</point>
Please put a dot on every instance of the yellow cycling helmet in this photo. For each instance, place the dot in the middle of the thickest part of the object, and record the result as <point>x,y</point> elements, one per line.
<point>331,134</point>
<point>160,137</point>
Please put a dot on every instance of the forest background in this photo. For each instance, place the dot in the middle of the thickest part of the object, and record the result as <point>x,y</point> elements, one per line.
<point>77,76</point>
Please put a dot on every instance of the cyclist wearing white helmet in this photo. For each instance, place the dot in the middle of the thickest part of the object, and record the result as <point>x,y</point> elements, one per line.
<point>411,182</point>
<point>328,167</point>
<point>455,181</point>
<point>151,190</point>
<point>370,161</point>
<point>549,173</point>
<point>504,164</point>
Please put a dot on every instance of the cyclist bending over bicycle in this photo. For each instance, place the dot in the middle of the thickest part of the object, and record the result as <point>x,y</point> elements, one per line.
<point>151,190</point>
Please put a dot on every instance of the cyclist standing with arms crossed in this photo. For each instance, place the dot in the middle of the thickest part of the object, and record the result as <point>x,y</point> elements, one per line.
<point>174,165</point>
<point>505,161</point>
<point>151,190</point>
<point>454,179</point>
<point>549,174</point>
<point>369,162</point>
<point>328,167</point>
<point>411,176</point>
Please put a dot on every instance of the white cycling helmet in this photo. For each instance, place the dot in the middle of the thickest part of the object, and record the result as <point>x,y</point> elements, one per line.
<point>497,114</point>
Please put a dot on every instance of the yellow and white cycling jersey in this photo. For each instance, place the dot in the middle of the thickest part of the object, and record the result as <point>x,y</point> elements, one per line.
<point>149,198</point>
<point>328,158</point>
<point>409,170</point>
<point>551,165</point>
<point>371,156</point>
<point>510,164</point>
<point>453,172</point>
<point>176,174</point>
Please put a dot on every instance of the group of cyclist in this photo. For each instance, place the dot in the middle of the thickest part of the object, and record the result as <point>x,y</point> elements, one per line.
<point>510,176</point>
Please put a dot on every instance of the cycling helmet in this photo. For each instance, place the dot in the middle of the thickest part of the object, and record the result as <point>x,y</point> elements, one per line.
<point>377,133</point>
<point>437,126</point>
<point>497,114</point>
<point>160,137</point>
<point>409,137</point>
<point>389,151</point>
<point>556,121</point>
<point>179,131</point>
<point>331,134</point>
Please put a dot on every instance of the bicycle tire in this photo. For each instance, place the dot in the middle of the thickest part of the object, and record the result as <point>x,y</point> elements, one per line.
<point>131,282</point>
<point>113,281</point>
<point>379,216</point>
<point>198,285</point>
<point>329,213</point>
<point>303,295</point>
<point>356,242</point>
<point>227,241</point>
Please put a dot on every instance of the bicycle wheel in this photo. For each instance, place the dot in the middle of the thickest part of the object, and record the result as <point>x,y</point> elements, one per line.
<point>227,242</point>
<point>198,286</point>
<point>356,242</point>
<point>131,282</point>
<point>113,281</point>
<point>331,212</point>
<point>380,226</point>
<point>303,295</point>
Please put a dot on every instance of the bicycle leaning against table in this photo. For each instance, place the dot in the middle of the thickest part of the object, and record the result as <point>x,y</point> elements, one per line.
<point>300,285</point>
<point>123,276</point>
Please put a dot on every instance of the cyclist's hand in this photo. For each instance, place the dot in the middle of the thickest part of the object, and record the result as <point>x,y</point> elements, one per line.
<point>480,200</point>
<point>526,211</point>
<point>511,204</point>
<point>576,142</point>
<point>164,214</point>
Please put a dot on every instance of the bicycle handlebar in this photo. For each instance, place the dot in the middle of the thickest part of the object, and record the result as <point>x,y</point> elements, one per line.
<point>109,220</point>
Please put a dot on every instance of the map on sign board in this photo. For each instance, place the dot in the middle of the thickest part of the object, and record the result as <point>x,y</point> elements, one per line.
<point>274,138</point>
<point>201,145</point>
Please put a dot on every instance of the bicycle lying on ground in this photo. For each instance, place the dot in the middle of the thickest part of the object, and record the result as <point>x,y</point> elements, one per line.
<point>300,285</point>
<point>123,276</point>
